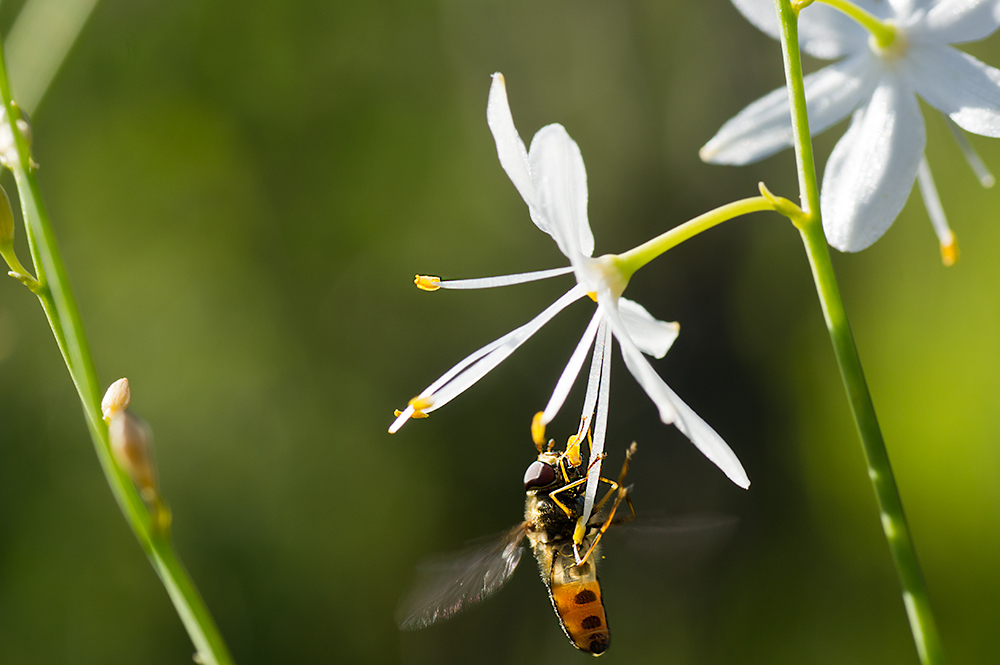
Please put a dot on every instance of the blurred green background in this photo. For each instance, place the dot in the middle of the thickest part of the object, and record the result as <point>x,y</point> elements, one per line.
<point>243,193</point>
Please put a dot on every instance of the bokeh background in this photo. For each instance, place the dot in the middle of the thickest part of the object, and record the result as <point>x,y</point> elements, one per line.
<point>243,193</point>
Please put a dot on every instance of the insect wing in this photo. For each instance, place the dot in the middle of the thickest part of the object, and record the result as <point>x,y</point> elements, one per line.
<point>697,535</point>
<point>449,584</point>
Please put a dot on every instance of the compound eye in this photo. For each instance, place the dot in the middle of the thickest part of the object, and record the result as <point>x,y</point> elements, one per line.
<point>539,474</point>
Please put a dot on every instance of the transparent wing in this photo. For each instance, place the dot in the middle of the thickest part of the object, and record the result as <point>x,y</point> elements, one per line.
<point>694,533</point>
<point>447,585</point>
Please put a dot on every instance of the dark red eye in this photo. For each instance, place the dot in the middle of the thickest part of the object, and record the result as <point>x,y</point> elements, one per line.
<point>539,474</point>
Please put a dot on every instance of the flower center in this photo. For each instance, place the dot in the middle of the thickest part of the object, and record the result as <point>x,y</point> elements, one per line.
<point>891,45</point>
<point>605,271</point>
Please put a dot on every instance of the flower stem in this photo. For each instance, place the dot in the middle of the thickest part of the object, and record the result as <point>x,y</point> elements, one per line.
<point>60,308</point>
<point>635,258</point>
<point>894,524</point>
<point>884,34</point>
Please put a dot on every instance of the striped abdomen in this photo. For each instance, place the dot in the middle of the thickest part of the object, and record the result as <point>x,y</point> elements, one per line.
<point>576,597</point>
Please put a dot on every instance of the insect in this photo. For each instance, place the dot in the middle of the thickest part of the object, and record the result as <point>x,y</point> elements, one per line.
<point>554,487</point>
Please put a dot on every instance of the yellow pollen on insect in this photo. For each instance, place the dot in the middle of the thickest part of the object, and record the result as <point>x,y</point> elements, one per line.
<point>573,450</point>
<point>427,282</point>
<point>592,295</point>
<point>538,430</point>
<point>949,250</point>
<point>579,531</point>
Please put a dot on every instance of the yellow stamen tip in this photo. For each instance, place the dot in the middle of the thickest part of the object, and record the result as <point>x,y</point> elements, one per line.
<point>427,282</point>
<point>592,295</point>
<point>949,251</point>
<point>419,404</point>
<point>538,430</point>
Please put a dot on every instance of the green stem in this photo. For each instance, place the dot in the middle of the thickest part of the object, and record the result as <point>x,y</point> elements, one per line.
<point>635,258</point>
<point>894,524</point>
<point>884,33</point>
<point>60,308</point>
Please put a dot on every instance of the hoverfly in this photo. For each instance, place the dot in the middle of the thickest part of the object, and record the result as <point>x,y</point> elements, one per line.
<point>554,487</point>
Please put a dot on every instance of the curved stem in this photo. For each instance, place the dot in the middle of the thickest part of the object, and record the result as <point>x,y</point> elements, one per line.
<point>60,308</point>
<point>894,525</point>
<point>884,33</point>
<point>635,258</point>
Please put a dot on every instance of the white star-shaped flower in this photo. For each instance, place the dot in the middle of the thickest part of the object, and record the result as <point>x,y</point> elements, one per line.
<point>871,171</point>
<point>553,182</point>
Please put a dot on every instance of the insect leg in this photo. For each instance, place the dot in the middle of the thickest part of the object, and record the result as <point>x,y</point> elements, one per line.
<point>552,494</point>
<point>622,495</point>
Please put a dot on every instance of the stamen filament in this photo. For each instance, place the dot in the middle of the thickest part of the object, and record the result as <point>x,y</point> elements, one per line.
<point>949,245</point>
<point>572,370</point>
<point>489,282</point>
<point>600,424</point>
<point>982,172</point>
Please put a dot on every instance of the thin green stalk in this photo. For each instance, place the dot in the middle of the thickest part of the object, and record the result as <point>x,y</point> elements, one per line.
<point>635,258</point>
<point>884,33</point>
<point>60,308</point>
<point>894,525</point>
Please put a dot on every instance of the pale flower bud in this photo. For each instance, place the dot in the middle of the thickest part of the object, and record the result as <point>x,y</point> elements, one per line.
<point>8,145</point>
<point>132,447</point>
<point>116,399</point>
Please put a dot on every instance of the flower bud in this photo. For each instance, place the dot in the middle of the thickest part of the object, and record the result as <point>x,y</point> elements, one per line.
<point>115,399</point>
<point>8,145</point>
<point>132,447</point>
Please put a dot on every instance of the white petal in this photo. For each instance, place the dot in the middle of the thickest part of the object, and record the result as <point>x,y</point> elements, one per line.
<point>572,370</point>
<point>707,440</point>
<point>905,12</point>
<point>958,21</point>
<point>503,280</point>
<point>765,127</point>
<point>561,183</point>
<point>871,171</point>
<point>510,148</point>
<point>672,408</point>
<point>652,336</point>
<point>823,31</point>
<point>958,85</point>
<point>640,368</point>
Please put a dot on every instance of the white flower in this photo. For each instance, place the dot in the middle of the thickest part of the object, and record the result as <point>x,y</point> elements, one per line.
<point>872,168</point>
<point>553,182</point>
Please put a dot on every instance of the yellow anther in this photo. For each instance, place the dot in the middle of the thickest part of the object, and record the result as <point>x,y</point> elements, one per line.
<point>592,295</point>
<point>949,250</point>
<point>427,282</point>
<point>419,404</point>
<point>538,431</point>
